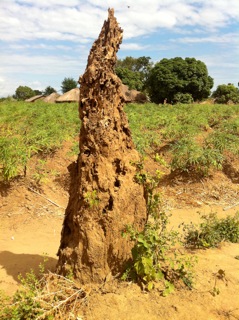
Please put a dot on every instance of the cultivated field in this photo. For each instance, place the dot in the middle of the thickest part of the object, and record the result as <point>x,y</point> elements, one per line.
<point>195,148</point>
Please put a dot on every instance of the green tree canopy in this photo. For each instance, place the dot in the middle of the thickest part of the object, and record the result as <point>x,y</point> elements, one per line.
<point>134,71</point>
<point>23,93</point>
<point>49,90</point>
<point>68,84</point>
<point>169,77</point>
<point>37,92</point>
<point>226,92</point>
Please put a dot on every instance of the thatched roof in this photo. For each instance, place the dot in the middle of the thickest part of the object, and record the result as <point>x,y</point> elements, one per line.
<point>70,96</point>
<point>133,95</point>
<point>33,99</point>
<point>52,97</point>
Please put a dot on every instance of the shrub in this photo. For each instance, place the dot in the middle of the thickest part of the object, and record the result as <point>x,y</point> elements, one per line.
<point>212,231</point>
<point>154,254</point>
<point>182,98</point>
<point>225,93</point>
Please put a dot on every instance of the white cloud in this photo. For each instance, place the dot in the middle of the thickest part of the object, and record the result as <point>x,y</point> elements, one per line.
<point>51,38</point>
<point>229,38</point>
<point>132,46</point>
<point>77,20</point>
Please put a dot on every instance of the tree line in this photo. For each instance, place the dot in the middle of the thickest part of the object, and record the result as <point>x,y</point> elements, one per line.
<point>25,92</point>
<point>174,80</point>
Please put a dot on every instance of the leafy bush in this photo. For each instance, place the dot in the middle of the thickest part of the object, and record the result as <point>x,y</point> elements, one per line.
<point>23,93</point>
<point>154,254</point>
<point>212,231</point>
<point>182,98</point>
<point>225,93</point>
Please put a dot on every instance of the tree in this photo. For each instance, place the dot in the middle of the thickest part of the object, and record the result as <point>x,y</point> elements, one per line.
<point>177,75</point>
<point>226,92</point>
<point>134,71</point>
<point>68,84</point>
<point>37,92</point>
<point>48,91</point>
<point>23,93</point>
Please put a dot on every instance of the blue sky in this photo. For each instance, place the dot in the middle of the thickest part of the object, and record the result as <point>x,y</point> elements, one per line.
<point>44,41</point>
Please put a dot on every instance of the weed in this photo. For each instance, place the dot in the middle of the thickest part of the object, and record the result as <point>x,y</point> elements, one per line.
<point>212,231</point>
<point>154,254</point>
<point>91,197</point>
<point>219,275</point>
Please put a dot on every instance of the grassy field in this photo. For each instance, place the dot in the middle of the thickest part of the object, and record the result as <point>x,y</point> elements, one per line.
<point>196,138</point>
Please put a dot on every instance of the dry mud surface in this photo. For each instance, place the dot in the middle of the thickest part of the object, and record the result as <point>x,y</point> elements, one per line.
<point>31,221</point>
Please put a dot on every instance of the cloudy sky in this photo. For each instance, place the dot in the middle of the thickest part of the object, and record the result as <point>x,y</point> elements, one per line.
<point>44,41</point>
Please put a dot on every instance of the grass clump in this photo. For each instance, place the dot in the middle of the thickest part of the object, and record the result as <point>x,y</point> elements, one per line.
<point>212,231</point>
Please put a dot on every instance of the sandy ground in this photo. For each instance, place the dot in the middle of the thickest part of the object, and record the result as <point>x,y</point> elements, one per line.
<point>31,226</point>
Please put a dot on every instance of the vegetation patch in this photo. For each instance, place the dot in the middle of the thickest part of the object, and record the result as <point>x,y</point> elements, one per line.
<point>212,231</point>
<point>155,254</point>
<point>29,129</point>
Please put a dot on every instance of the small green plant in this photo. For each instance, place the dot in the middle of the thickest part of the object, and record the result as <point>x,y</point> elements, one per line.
<point>40,175</point>
<point>212,231</point>
<point>91,197</point>
<point>154,254</point>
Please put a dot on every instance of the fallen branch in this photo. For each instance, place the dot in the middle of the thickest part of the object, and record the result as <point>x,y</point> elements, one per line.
<point>55,204</point>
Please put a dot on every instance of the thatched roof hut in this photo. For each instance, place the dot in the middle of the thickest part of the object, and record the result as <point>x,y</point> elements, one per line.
<point>35,98</point>
<point>133,95</point>
<point>70,96</point>
<point>52,97</point>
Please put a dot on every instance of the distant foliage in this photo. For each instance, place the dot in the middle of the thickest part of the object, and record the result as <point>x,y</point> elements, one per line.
<point>171,77</point>
<point>225,93</point>
<point>134,71</point>
<point>182,98</point>
<point>68,84</point>
<point>23,93</point>
<point>37,92</point>
<point>49,90</point>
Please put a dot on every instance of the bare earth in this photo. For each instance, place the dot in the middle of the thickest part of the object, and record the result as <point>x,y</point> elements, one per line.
<point>31,221</point>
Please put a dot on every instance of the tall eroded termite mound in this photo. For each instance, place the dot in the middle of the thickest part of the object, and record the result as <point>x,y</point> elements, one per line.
<point>104,196</point>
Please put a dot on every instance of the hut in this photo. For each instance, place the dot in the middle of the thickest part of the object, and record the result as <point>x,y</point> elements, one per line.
<point>133,95</point>
<point>52,97</point>
<point>35,98</point>
<point>70,96</point>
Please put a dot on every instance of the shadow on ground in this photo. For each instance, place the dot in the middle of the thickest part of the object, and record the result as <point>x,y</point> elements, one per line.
<point>15,264</point>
